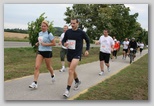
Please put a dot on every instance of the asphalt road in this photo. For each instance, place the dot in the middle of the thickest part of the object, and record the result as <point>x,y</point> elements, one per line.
<point>18,89</point>
<point>10,44</point>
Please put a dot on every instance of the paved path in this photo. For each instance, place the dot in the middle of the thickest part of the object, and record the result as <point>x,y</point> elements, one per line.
<point>10,44</point>
<point>17,89</point>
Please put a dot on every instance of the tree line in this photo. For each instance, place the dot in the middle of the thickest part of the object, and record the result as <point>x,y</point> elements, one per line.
<point>16,30</point>
<point>114,17</point>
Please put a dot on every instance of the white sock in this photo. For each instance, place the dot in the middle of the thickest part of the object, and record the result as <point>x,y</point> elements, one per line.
<point>63,67</point>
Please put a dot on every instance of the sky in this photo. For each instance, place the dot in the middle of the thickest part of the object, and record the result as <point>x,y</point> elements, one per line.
<point>18,15</point>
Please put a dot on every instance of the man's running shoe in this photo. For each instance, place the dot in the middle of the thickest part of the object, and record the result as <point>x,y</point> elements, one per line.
<point>108,69</point>
<point>33,85</point>
<point>101,73</point>
<point>62,70</point>
<point>53,78</point>
<point>66,94</point>
<point>76,87</point>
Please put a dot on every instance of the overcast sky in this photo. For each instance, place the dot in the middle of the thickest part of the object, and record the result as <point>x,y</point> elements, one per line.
<point>18,15</point>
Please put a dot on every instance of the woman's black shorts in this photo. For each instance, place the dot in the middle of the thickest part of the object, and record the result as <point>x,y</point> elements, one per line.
<point>45,54</point>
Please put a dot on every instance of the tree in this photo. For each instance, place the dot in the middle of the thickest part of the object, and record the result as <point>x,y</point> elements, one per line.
<point>34,28</point>
<point>58,31</point>
<point>96,17</point>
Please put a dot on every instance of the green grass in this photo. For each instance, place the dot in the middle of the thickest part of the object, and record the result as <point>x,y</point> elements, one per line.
<point>19,62</point>
<point>130,83</point>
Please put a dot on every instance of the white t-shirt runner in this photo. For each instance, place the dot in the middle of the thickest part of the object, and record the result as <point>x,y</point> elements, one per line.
<point>61,38</point>
<point>125,44</point>
<point>141,45</point>
<point>106,43</point>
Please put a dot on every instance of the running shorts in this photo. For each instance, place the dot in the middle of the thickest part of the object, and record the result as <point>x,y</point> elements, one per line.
<point>70,56</point>
<point>126,50</point>
<point>104,57</point>
<point>45,54</point>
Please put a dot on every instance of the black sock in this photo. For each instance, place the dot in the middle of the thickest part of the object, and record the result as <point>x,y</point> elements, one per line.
<point>52,76</point>
<point>76,80</point>
<point>68,87</point>
<point>35,82</point>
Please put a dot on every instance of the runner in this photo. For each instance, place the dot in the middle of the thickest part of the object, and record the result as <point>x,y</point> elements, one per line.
<point>141,47</point>
<point>125,48</point>
<point>46,40</point>
<point>115,49</point>
<point>113,37</point>
<point>138,46</point>
<point>111,56</point>
<point>63,51</point>
<point>73,40</point>
<point>106,47</point>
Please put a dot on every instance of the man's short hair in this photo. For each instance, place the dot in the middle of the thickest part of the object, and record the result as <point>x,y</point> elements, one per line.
<point>106,30</point>
<point>77,21</point>
<point>65,26</point>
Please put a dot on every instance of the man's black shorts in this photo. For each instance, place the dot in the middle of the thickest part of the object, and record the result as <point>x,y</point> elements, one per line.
<point>70,56</point>
<point>104,57</point>
<point>141,49</point>
<point>45,54</point>
<point>126,50</point>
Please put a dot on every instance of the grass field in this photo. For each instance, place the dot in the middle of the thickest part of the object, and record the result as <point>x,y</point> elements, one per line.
<point>9,36</point>
<point>129,84</point>
<point>15,35</point>
<point>19,62</point>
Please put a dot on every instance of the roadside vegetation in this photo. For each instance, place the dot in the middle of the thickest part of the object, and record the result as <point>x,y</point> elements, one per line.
<point>130,83</point>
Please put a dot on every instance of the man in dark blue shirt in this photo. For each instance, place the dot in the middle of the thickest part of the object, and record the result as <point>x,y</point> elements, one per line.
<point>73,40</point>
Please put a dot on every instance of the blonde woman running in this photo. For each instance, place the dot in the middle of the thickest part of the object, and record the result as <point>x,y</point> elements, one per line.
<point>45,41</point>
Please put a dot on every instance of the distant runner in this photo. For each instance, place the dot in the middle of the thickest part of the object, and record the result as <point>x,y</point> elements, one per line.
<point>106,47</point>
<point>63,51</point>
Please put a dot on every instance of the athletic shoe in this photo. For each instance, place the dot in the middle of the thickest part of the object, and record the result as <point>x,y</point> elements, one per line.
<point>76,87</point>
<point>108,69</point>
<point>53,78</point>
<point>66,94</point>
<point>62,70</point>
<point>33,85</point>
<point>101,73</point>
